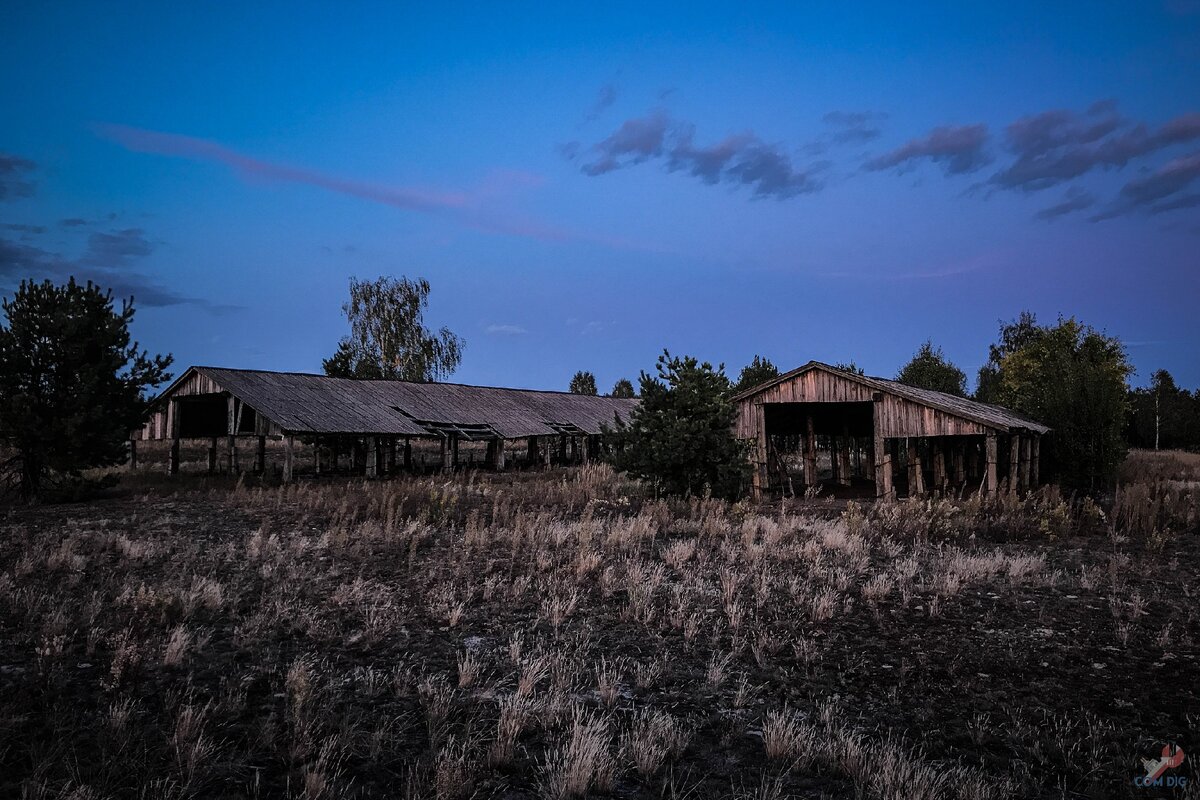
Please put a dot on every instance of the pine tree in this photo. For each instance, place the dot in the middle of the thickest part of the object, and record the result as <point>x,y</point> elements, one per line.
<point>583,383</point>
<point>622,388</point>
<point>72,383</point>
<point>758,371</point>
<point>680,437</point>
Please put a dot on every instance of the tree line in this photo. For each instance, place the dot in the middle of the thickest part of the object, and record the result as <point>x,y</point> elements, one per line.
<point>73,383</point>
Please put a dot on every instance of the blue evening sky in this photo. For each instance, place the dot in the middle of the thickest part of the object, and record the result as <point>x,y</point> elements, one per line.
<point>586,184</point>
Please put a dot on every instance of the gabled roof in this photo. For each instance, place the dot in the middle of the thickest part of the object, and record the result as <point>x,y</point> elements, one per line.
<point>983,413</point>
<point>306,403</point>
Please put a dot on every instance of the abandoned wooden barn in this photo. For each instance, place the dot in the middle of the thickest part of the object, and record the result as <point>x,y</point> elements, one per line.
<point>879,436</point>
<point>231,408</point>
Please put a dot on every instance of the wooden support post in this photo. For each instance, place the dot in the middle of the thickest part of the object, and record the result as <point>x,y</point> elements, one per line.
<point>1035,445</point>
<point>316,455</point>
<point>585,449</point>
<point>810,453</point>
<point>546,447</point>
<point>390,456</point>
<point>938,453</point>
<point>760,478</point>
<point>844,457</point>
<point>990,484</point>
<point>1014,462</point>
<point>868,462</point>
<point>454,451</point>
<point>289,458</point>
<point>1024,473</point>
<point>916,475</point>
<point>132,446</point>
<point>372,456</point>
<point>212,455</point>
<point>173,426</point>
<point>500,461</point>
<point>531,451</point>
<point>960,462</point>
<point>408,462</point>
<point>562,448</point>
<point>575,457</point>
<point>260,456</point>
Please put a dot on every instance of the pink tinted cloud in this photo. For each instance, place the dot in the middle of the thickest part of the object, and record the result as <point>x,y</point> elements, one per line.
<point>172,144</point>
<point>487,208</point>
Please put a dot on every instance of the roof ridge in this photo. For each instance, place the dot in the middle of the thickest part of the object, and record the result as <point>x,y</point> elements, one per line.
<point>411,383</point>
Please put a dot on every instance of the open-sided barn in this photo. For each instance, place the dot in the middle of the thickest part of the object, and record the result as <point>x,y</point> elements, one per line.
<point>866,426</point>
<point>235,406</point>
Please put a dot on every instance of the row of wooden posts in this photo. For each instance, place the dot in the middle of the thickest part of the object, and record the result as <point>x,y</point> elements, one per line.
<point>955,461</point>
<point>382,455</point>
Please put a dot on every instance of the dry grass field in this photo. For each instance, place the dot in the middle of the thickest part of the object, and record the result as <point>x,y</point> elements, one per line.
<point>562,635</point>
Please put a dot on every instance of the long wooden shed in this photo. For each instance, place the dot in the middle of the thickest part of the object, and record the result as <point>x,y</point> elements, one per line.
<point>236,404</point>
<point>864,427</point>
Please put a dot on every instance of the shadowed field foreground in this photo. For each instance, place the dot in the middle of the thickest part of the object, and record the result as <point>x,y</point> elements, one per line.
<point>561,635</point>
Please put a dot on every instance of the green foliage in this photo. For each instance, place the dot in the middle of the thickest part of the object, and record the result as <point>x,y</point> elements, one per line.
<point>388,337</point>
<point>583,383</point>
<point>622,388</point>
<point>1072,378</point>
<point>72,383</point>
<point>930,369</point>
<point>1164,415</point>
<point>680,437</point>
<point>758,371</point>
<point>1013,336</point>
<point>850,367</point>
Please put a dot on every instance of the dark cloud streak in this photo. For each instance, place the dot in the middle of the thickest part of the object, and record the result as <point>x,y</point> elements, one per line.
<point>958,148</point>
<point>738,160</point>
<point>14,180</point>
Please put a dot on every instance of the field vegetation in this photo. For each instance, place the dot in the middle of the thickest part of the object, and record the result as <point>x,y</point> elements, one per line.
<point>563,634</point>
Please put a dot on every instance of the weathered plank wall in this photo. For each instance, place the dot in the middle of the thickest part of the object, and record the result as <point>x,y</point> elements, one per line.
<point>897,416</point>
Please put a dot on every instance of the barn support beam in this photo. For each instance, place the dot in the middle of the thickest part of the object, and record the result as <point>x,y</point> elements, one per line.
<point>759,479</point>
<point>959,459</point>
<point>547,445</point>
<point>212,455</point>
<point>1014,462</point>
<point>173,457</point>
<point>260,456</point>
<point>868,462</point>
<point>810,452</point>
<point>916,475</point>
<point>1035,445</point>
<point>585,448</point>
<point>499,461</point>
<point>990,483</point>
<point>316,455</point>
<point>1023,476</point>
<point>531,451</point>
<point>372,457</point>
<point>408,463</point>
<point>132,453</point>
<point>289,458</point>
<point>938,454</point>
<point>844,457</point>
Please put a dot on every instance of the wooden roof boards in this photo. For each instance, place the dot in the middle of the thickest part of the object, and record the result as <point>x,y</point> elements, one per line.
<point>306,403</point>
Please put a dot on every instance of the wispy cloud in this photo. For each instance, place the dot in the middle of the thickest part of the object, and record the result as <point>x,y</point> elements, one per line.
<point>1159,191</point>
<point>855,126</point>
<point>1060,145</point>
<point>487,208</point>
<point>504,330</point>
<point>106,261</point>
<point>741,159</point>
<point>1076,200</point>
<point>957,148</point>
<point>172,144</point>
<point>15,180</point>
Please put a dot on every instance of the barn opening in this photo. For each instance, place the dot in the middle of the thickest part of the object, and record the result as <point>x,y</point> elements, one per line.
<point>819,429</point>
